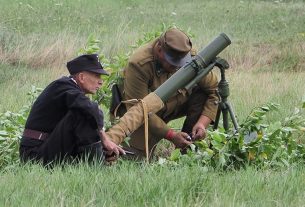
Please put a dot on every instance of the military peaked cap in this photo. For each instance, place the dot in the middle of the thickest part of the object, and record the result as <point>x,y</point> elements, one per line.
<point>86,63</point>
<point>176,46</point>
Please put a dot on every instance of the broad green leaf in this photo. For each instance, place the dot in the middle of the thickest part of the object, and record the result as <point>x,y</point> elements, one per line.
<point>202,144</point>
<point>264,155</point>
<point>218,137</point>
<point>175,155</point>
<point>209,151</point>
<point>217,145</point>
<point>193,147</point>
<point>222,160</point>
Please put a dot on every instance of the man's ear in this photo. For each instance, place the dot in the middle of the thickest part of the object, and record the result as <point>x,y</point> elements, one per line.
<point>80,77</point>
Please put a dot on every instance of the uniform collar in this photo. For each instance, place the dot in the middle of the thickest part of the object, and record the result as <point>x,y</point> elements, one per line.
<point>71,78</point>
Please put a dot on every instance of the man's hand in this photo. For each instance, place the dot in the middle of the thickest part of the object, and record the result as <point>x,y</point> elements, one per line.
<point>180,139</point>
<point>112,150</point>
<point>198,131</point>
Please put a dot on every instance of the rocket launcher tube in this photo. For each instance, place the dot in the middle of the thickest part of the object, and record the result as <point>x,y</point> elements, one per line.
<point>189,71</point>
<point>199,76</point>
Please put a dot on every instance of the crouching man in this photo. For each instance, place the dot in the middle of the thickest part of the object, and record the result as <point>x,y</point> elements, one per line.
<point>64,123</point>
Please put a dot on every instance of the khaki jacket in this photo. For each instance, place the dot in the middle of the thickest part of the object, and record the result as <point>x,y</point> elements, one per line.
<point>143,75</point>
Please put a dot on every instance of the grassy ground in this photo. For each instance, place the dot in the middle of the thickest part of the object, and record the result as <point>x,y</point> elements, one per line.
<point>130,184</point>
<point>267,59</point>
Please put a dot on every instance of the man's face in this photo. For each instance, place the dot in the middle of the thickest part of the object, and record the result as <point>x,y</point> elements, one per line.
<point>90,82</point>
<point>166,65</point>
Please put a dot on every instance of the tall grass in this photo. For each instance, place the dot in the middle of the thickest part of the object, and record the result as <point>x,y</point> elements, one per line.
<point>251,89</point>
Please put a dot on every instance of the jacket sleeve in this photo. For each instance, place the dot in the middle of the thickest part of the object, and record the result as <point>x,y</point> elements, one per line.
<point>136,86</point>
<point>76,99</point>
<point>209,85</point>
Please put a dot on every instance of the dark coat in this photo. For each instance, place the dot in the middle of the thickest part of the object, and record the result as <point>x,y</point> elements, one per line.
<point>56,100</point>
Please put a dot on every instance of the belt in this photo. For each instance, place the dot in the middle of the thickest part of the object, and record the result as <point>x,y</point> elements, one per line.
<point>35,134</point>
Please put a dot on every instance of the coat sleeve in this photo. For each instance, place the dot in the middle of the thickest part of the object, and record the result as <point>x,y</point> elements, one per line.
<point>76,99</point>
<point>209,85</point>
<point>136,86</point>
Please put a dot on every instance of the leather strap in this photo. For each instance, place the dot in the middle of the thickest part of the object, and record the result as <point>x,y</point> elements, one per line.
<point>29,133</point>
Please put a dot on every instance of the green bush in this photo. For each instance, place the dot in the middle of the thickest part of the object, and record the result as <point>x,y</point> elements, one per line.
<point>11,128</point>
<point>275,144</point>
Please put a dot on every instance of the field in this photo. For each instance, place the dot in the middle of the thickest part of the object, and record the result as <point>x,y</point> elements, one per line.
<point>267,64</point>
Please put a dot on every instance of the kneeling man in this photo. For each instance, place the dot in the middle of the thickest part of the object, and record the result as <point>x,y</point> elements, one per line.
<point>64,123</point>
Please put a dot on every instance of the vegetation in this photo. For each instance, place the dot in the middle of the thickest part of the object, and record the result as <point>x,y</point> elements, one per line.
<point>266,66</point>
<point>278,144</point>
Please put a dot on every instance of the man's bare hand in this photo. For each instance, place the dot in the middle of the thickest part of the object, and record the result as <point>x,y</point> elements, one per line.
<point>198,132</point>
<point>112,150</point>
<point>199,129</point>
<point>180,139</point>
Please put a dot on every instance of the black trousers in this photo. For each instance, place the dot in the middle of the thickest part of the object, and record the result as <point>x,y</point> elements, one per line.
<point>73,137</point>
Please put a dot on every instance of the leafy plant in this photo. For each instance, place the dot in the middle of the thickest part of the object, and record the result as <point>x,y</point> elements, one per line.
<point>258,143</point>
<point>11,127</point>
<point>113,67</point>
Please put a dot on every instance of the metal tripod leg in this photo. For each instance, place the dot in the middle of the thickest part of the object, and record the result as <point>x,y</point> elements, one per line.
<point>215,126</point>
<point>233,118</point>
<point>225,109</point>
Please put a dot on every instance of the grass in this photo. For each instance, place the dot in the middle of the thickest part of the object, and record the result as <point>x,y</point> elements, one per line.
<point>130,184</point>
<point>267,62</point>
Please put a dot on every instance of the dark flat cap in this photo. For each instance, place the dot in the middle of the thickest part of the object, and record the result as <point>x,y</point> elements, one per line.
<point>86,63</point>
<point>176,45</point>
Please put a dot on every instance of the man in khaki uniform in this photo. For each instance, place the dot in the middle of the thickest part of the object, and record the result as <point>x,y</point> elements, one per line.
<point>149,67</point>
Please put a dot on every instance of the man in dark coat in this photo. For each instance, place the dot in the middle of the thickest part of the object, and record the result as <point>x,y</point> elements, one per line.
<point>64,123</point>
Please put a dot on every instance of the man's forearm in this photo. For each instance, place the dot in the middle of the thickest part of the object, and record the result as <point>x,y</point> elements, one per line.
<point>204,120</point>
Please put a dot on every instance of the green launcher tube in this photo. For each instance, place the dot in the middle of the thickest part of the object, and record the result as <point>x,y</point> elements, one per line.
<point>203,61</point>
